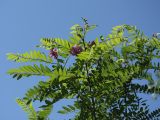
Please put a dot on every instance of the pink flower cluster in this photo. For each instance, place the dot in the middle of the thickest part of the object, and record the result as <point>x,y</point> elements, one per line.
<point>53,53</point>
<point>76,49</point>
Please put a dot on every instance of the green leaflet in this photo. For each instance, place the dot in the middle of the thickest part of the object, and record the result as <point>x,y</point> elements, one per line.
<point>32,56</point>
<point>49,43</point>
<point>103,46</point>
<point>62,74</point>
<point>114,42</point>
<point>32,93</point>
<point>67,109</point>
<point>145,89</point>
<point>155,42</point>
<point>86,55</point>
<point>75,39</point>
<point>91,27</point>
<point>32,114</point>
<point>45,112</point>
<point>76,29</point>
<point>30,70</point>
<point>62,42</point>
<point>63,46</point>
<point>28,109</point>
<point>42,86</point>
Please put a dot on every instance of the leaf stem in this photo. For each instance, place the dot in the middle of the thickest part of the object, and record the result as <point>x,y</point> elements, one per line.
<point>89,81</point>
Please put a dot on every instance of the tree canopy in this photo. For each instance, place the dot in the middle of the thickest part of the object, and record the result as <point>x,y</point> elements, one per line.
<point>100,79</point>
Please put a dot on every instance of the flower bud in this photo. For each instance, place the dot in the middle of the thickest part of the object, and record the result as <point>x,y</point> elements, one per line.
<point>90,44</point>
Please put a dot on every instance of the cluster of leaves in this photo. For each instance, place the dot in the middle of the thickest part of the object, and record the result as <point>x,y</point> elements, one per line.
<point>100,80</point>
<point>32,114</point>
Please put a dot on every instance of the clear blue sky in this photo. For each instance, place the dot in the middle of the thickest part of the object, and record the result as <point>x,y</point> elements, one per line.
<point>24,22</point>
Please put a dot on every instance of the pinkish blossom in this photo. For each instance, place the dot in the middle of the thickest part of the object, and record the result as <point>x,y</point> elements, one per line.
<point>53,53</point>
<point>76,49</point>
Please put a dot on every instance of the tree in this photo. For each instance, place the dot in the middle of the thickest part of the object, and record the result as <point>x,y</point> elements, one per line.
<point>100,79</point>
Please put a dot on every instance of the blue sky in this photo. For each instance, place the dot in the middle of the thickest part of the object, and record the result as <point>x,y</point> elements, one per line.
<point>24,22</point>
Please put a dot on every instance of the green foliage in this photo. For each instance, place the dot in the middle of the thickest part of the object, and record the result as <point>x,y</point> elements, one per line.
<point>33,56</point>
<point>44,113</point>
<point>100,79</point>
<point>32,114</point>
<point>48,43</point>
<point>67,109</point>
<point>28,108</point>
<point>30,70</point>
